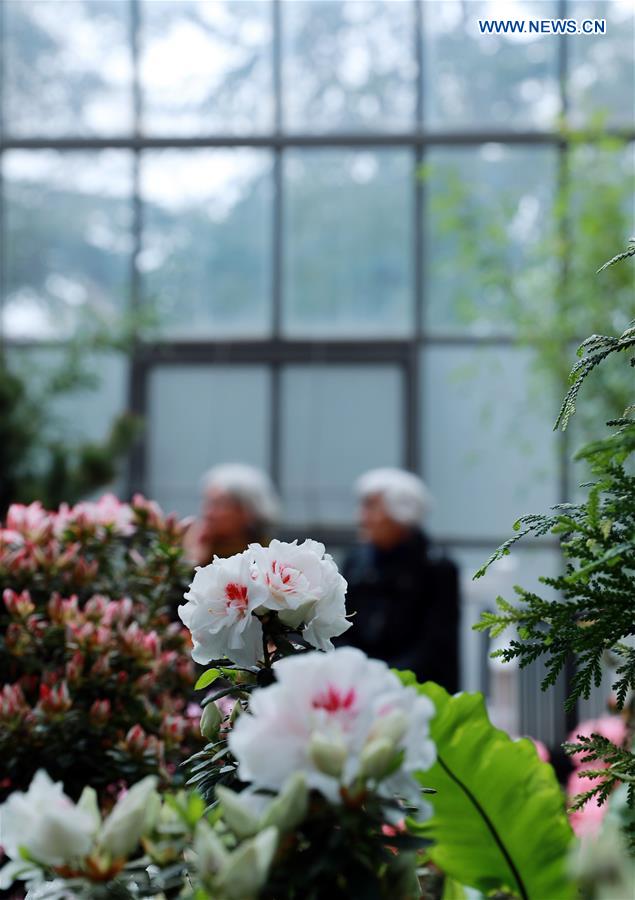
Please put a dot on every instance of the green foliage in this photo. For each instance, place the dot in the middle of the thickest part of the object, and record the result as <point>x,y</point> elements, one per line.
<point>591,618</point>
<point>621,768</point>
<point>499,821</point>
<point>594,350</point>
<point>625,254</point>
<point>94,684</point>
<point>39,457</point>
<point>342,852</point>
<point>592,610</point>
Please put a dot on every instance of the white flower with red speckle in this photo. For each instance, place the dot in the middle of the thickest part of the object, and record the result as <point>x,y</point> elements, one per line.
<point>227,599</point>
<point>342,720</point>
<point>219,610</point>
<point>305,588</point>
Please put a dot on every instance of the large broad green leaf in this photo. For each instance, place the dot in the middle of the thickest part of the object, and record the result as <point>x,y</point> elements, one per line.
<point>499,819</point>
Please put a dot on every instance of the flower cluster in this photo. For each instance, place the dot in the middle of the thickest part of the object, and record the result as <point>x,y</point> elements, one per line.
<point>342,720</point>
<point>43,829</point>
<point>94,674</point>
<point>235,605</point>
<point>306,748</point>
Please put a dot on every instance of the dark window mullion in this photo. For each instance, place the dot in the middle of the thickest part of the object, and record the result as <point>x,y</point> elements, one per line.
<point>2,185</point>
<point>138,373</point>
<point>277,249</point>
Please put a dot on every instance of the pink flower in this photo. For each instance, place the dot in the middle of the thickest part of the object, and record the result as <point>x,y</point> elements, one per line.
<point>585,821</point>
<point>75,667</point>
<point>32,521</point>
<point>613,728</point>
<point>106,514</point>
<point>19,605</point>
<point>12,703</point>
<point>54,700</point>
<point>100,712</point>
<point>62,611</point>
<point>147,512</point>
<point>541,749</point>
<point>141,644</point>
<point>588,819</point>
<point>10,538</point>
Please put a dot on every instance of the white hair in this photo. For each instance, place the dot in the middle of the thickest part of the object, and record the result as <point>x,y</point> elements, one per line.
<point>250,486</point>
<point>405,495</point>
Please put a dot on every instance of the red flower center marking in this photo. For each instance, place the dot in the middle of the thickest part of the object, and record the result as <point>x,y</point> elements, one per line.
<point>236,596</point>
<point>284,576</point>
<point>333,700</point>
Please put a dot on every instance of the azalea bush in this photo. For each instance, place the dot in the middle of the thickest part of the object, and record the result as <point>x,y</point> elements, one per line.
<point>95,675</point>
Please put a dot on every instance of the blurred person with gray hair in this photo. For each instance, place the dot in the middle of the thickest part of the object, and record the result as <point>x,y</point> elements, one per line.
<point>240,506</point>
<point>405,596</point>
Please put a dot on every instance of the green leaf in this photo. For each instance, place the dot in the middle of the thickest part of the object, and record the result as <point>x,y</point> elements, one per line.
<point>207,678</point>
<point>499,818</point>
<point>452,890</point>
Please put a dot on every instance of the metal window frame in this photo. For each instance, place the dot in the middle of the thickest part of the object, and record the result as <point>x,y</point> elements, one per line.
<point>276,350</point>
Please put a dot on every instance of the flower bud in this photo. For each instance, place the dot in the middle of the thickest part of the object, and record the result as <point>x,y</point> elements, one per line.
<point>393,726</point>
<point>136,739</point>
<point>236,710</point>
<point>211,855</point>
<point>377,757</point>
<point>327,755</point>
<point>19,605</point>
<point>210,721</point>
<point>100,712</point>
<point>88,803</point>
<point>133,815</point>
<point>236,812</point>
<point>290,807</point>
<point>75,667</point>
<point>247,868</point>
<point>54,700</point>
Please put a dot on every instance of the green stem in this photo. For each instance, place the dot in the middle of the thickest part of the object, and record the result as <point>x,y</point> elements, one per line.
<point>490,825</point>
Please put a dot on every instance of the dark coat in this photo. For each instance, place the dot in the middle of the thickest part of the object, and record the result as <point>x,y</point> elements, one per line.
<point>406,602</point>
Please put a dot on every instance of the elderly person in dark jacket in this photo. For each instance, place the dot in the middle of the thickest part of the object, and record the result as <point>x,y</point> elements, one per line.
<point>404,596</point>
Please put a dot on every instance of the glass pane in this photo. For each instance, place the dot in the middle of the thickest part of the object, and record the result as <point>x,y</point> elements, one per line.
<point>473,80</point>
<point>506,689</point>
<point>67,66</point>
<point>199,416</point>
<point>206,66</point>
<point>85,413</point>
<point>68,220</point>
<point>489,247</point>
<point>206,257</point>
<point>347,242</point>
<point>601,81</point>
<point>489,452</point>
<point>337,422</point>
<point>348,65</point>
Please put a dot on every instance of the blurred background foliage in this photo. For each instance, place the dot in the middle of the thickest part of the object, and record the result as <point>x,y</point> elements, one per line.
<point>549,296</point>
